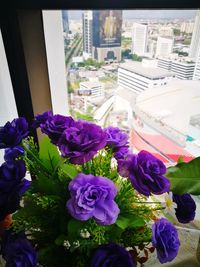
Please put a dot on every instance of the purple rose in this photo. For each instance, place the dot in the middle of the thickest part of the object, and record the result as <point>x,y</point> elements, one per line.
<point>21,125</point>
<point>81,141</point>
<point>12,186</point>
<point>11,174</point>
<point>93,197</point>
<point>165,240</point>
<point>55,126</point>
<point>18,251</point>
<point>12,153</point>
<point>41,119</point>
<point>121,152</point>
<point>12,133</point>
<point>115,137</point>
<point>186,208</point>
<point>111,255</point>
<point>145,172</point>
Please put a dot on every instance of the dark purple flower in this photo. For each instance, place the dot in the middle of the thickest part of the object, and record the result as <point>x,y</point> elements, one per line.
<point>93,197</point>
<point>121,152</point>
<point>55,126</point>
<point>10,199</point>
<point>12,186</point>
<point>115,137</point>
<point>21,125</point>
<point>11,174</point>
<point>145,172</point>
<point>41,119</point>
<point>12,133</point>
<point>111,255</point>
<point>165,240</point>
<point>81,141</point>
<point>18,251</point>
<point>186,208</point>
<point>12,153</point>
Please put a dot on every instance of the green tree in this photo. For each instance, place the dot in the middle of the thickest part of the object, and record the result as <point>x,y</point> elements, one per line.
<point>177,32</point>
<point>135,57</point>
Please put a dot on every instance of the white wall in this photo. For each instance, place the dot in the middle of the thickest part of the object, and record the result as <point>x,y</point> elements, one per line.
<point>53,31</point>
<point>8,110</point>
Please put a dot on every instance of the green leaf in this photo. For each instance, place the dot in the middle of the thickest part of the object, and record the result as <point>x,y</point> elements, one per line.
<point>74,228</point>
<point>60,239</point>
<point>46,185</point>
<point>49,154</point>
<point>69,170</point>
<point>185,177</point>
<point>129,221</point>
<point>180,159</point>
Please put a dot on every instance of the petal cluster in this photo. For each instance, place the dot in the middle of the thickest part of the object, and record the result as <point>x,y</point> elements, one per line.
<point>93,197</point>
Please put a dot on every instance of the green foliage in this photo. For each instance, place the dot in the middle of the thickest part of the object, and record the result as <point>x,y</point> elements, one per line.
<point>135,57</point>
<point>49,154</point>
<point>86,117</point>
<point>126,53</point>
<point>129,221</point>
<point>177,32</point>
<point>185,177</point>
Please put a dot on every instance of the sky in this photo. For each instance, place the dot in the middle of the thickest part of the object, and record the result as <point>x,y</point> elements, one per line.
<point>147,14</point>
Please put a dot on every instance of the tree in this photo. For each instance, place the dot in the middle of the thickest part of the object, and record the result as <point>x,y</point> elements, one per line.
<point>126,53</point>
<point>135,57</point>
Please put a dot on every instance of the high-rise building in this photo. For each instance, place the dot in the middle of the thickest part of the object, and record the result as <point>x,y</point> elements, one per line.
<point>195,43</point>
<point>182,68</point>
<point>187,27</point>
<point>139,39</point>
<point>166,31</point>
<point>107,25</point>
<point>65,21</point>
<point>196,75</point>
<point>87,33</point>
<point>164,46</point>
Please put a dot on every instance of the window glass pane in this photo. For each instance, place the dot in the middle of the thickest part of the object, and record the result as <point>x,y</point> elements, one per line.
<point>8,109</point>
<point>140,71</point>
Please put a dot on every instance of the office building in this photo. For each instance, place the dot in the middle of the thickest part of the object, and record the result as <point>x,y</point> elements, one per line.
<point>164,46</point>
<point>87,33</point>
<point>196,75</point>
<point>140,76</point>
<point>65,21</point>
<point>183,68</point>
<point>139,39</point>
<point>195,43</point>
<point>187,27</point>
<point>91,89</point>
<point>107,26</point>
<point>166,31</point>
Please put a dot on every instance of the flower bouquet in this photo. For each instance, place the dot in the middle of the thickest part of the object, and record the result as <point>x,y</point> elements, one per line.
<point>90,200</point>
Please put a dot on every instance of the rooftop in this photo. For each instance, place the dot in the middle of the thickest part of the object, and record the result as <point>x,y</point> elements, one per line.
<point>173,105</point>
<point>90,84</point>
<point>146,71</point>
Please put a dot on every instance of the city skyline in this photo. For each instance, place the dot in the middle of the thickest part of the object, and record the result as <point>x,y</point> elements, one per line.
<point>145,14</point>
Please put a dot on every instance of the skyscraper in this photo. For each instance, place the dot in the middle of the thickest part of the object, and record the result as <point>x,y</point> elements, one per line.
<point>87,33</point>
<point>164,46</point>
<point>65,21</point>
<point>196,75</point>
<point>195,43</point>
<point>107,25</point>
<point>139,39</point>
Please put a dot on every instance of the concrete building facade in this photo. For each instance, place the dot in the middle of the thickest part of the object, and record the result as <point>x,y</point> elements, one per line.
<point>195,43</point>
<point>164,46</point>
<point>138,77</point>
<point>87,33</point>
<point>139,39</point>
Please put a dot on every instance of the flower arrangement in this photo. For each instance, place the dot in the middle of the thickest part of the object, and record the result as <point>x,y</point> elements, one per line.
<point>91,200</point>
